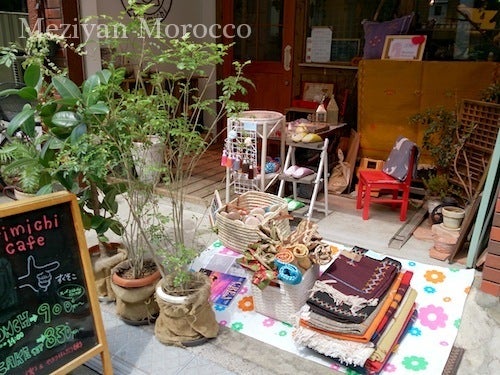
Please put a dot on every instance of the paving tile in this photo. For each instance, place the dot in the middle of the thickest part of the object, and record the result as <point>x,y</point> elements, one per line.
<point>199,365</point>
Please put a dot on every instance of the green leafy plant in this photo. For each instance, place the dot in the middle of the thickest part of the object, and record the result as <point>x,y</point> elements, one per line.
<point>439,137</point>
<point>437,185</point>
<point>491,94</point>
<point>63,112</point>
<point>444,138</point>
<point>21,167</point>
<point>175,88</point>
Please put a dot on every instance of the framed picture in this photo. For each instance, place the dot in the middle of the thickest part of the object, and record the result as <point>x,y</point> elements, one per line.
<point>314,91</point>
<point>215,205</point>
<point>404,47</point>
<point>344,50</point>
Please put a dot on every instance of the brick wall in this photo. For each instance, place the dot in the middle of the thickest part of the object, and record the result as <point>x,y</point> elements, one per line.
<point>53,14</point>
<point>491,269</point>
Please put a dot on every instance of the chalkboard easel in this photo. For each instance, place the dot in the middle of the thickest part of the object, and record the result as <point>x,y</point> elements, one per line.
<point>50,321</point>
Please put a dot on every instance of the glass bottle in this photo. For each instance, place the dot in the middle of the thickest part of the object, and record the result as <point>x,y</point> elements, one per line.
<point>223,160</point>
<point>236,163</point>
<point>250,172</point>
<point>244,166</point>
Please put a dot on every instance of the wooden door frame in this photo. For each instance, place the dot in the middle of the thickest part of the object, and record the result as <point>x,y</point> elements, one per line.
<point>226,7</point>
<point>70,11</point>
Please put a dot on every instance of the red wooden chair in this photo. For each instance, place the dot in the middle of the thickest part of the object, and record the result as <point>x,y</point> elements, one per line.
<point>370,180</point>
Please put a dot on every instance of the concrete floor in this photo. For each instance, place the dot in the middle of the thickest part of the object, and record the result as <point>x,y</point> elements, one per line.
<point>479,332</point>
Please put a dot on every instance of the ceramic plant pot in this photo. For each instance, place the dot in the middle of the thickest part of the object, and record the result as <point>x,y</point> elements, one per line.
<point>453,217</point>
<point>432,203</point>
<point>148,159</point>
<point>22,195</point>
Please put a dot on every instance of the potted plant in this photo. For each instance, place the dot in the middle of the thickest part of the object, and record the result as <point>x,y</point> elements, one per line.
<point>64,111</point>
<point>444,138</point>
<point>439,135</point>
<point>173,113</point>
<point>21,168</point>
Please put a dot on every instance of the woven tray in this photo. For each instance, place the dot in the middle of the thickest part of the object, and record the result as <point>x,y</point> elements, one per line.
<point>284,301</point>
<point>237,235</point>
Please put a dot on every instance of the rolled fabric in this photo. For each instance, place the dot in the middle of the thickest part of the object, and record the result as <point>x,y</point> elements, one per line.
<point>301,253</point>
<point>284,257</point>
<point>323,254</point>
<point>290,274</point>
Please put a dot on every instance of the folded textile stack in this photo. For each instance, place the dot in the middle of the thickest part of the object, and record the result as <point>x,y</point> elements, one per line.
<point>358,311</point>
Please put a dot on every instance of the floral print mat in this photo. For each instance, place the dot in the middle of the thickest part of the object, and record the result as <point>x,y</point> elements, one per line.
<point>442,293</point>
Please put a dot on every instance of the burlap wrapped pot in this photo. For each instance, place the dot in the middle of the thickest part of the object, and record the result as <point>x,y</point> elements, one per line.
<point>102,268</point>
<point>135,305</point>
<point>183,322</point>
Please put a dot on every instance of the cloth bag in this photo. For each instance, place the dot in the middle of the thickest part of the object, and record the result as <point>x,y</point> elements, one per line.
<point>341,174</point>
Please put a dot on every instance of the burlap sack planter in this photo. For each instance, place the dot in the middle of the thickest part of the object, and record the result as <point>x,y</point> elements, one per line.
<point>102,266</point>
<point>188,320</point>
<point>135,305</point>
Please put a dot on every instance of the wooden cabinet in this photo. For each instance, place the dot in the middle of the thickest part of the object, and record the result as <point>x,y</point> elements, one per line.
<point>389,92</point>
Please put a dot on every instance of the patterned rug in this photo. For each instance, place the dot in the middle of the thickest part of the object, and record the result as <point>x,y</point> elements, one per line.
<point>442,293</point>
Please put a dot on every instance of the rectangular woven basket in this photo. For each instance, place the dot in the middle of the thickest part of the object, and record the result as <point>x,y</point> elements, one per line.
<point>236,235</point>
<point>284,301</point>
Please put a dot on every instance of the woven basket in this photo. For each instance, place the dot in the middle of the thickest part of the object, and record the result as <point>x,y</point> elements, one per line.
<point>237,235</point>
<point>284,301</point>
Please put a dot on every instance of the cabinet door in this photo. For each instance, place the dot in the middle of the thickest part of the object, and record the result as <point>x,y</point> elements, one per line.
<point>388,92</point>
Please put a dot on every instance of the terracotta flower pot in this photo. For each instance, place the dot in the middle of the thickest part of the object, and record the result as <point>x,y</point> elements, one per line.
<point>136,283</point>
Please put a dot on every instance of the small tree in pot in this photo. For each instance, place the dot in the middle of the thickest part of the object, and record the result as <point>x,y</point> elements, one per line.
<point>176,105</point>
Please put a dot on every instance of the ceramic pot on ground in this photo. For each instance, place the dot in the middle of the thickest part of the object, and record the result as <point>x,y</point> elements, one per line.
<point>453,217</point>
<point>22,195</point>
<point>135,302</point>
<point>437,215</point>
<point>185,320</point>
<point>432,203</point>
<point>148,159</point>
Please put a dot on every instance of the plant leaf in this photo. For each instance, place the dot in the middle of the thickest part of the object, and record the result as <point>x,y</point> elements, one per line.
<point>27,114</point>
<point>65,119</point>
<point>32,75</point>
<point>98,109</point>
<point>28,93</point>
<point>66,88</point>
<point>77,132</point>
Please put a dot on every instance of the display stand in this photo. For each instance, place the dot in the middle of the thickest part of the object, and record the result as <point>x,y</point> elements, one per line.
<point>321,176</point>
<point>246,143</point>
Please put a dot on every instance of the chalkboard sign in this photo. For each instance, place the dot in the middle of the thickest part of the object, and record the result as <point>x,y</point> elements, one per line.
<point>50,320</point>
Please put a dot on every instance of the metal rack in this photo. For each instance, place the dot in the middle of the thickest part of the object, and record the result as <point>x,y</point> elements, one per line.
<point>247,140</point>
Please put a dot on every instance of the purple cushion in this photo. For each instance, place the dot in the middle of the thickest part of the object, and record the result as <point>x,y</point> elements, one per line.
<point>375,33</point>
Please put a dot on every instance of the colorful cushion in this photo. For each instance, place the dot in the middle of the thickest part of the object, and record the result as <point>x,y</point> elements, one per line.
<point>375,33</point>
